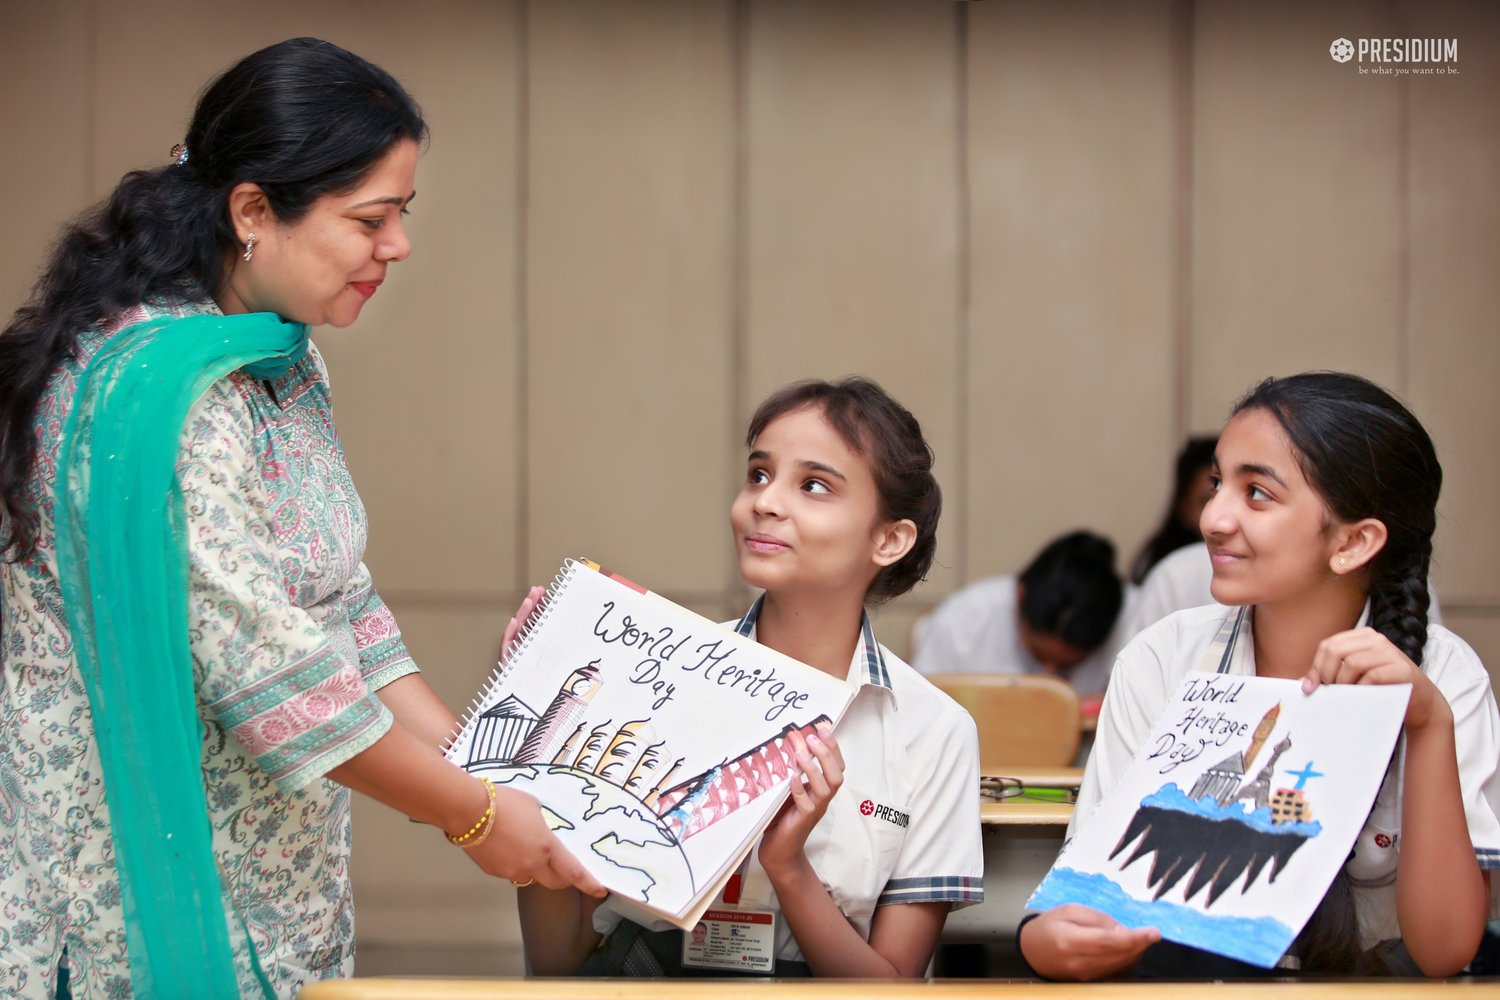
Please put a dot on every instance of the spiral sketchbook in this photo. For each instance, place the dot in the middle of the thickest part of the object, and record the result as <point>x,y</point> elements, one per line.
<point>654,739</point>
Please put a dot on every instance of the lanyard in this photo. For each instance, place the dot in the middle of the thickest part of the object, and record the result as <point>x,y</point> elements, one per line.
<point>1221,651</point>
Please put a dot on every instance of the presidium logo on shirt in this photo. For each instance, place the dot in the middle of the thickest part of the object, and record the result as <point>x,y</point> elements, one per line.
<point>896,816</point>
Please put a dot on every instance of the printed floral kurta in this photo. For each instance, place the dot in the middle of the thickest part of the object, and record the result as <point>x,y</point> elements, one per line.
<point>289,642</point>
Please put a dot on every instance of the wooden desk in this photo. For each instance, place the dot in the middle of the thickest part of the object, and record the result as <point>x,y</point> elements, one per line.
<point>1020,812</point>
<point>932,989</point>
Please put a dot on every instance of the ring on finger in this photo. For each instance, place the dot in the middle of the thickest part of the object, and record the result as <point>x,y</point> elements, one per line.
<point>522,885</point>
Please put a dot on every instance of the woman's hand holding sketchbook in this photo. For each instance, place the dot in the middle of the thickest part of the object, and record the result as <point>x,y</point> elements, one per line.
<point>530,605</point>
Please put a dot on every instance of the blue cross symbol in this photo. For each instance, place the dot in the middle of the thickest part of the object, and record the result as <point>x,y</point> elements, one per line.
<point>1304,775</point>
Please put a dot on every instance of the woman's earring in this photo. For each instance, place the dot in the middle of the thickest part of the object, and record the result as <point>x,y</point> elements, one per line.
<point>1343,562</point>
<point>249,246</point>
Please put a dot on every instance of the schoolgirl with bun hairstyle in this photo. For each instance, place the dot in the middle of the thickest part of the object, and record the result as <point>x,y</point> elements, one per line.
<point>837,512</point>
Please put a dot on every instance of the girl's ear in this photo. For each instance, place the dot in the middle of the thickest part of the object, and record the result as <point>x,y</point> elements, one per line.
<point>893,541</point>
<point>1358,544</point>
<point>249,209</point>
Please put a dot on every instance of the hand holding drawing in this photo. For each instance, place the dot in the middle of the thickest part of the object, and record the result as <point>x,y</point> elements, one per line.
<point>822,775</point>
<point>1441,894</point>
<point>522,848</point>
<point>1075,942</point>
<point>1365,656</point>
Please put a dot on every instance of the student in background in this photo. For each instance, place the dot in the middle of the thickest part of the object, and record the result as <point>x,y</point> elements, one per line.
<point>1190,494</point>
<point>1058,617</point>
<point>1183,579</point>
<point>838,511</point>
<point>1320,533</point>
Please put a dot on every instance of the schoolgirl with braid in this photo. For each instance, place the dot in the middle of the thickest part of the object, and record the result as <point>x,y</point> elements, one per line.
<point>1320,532</point>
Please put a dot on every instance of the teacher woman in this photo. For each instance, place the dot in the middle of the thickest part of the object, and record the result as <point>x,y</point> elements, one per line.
<point>194,665</point>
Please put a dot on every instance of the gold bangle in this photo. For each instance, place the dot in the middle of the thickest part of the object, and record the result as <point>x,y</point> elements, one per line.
<point>487,828</point>
<point>484,821</point>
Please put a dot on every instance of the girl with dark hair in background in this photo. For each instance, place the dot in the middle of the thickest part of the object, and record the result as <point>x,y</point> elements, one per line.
<point>838,511</point>
<point>190,644</point>
<point>1060,616</point>
<point>1320,532</point>
<point>1191,491</point>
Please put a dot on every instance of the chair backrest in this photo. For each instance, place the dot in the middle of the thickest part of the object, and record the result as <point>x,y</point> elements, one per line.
<point>1023,719</point>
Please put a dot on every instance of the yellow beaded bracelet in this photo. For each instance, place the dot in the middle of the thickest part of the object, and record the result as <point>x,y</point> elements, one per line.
<point>482,836</point>
<point>484,822</point>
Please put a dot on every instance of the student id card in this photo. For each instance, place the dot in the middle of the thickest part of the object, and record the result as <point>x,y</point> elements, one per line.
<point>737,940</point>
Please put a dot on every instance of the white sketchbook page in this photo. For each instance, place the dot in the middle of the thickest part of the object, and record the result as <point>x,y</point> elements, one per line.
<point>1189,808</point>
<point>660,697</point>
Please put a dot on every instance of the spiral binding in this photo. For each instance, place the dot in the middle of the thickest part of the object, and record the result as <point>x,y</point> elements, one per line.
<point>459,739</point>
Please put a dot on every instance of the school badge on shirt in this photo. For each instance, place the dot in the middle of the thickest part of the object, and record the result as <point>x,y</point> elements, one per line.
<point>888,813</point>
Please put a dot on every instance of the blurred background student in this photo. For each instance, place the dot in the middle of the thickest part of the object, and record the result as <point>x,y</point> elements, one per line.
<point>1191,490</point>
<point>1057,617</point>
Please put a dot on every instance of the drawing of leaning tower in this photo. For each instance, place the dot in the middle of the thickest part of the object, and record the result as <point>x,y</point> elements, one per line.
<point>561,717</point>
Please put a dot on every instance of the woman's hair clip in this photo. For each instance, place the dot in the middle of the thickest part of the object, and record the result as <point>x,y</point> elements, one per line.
<point>179,154</point>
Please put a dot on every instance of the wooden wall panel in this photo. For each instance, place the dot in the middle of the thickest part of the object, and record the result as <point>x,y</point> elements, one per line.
<point>1296,236</point>
<point>851,228</point>
<point>628,297</point>
<point>1070,380</point>
<point>46,115</point>
<point>1454,332</point>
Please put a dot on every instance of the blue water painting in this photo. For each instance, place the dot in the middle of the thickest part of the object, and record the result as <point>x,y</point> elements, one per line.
<point>1257,941</point>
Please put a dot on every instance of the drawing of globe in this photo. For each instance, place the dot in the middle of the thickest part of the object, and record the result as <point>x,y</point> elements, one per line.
<point>592,816</point>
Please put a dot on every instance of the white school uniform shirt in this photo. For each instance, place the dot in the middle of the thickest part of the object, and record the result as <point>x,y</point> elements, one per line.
<point>911,749</point>
<point>1151,667</point>
<point>1181,579</point>
<point>1184,579</point>
<point>974,631</point>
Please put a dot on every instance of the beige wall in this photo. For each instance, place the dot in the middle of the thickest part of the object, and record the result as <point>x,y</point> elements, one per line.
<point>1064,234</point>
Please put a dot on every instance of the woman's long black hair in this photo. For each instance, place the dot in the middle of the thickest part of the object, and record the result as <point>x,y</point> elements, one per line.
<point>301,118</point>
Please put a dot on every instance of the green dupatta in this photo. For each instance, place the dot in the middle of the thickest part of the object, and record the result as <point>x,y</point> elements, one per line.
<point>122,562</point>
